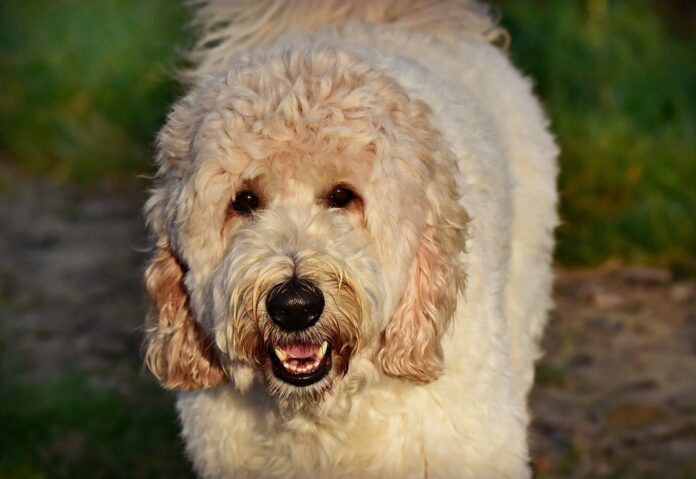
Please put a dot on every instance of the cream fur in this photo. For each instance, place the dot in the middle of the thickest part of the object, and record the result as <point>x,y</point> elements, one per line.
<point>436,282</point>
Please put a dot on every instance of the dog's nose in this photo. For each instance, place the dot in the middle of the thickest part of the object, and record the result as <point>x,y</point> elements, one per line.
<point>295,304</point>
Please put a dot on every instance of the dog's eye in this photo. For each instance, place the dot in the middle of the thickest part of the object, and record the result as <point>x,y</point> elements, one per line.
<point>245,202</point>
<point>341,196</point>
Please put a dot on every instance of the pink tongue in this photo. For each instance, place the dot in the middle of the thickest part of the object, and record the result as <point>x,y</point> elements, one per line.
<point>300,351</point>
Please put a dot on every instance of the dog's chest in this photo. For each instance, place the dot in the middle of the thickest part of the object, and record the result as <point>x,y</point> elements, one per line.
<point>228,435</point>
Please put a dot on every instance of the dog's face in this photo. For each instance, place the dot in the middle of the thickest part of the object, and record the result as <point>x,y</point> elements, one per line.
<point>306,213</point>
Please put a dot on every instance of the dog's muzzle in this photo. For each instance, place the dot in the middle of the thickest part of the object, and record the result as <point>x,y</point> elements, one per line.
<point>295,306</point>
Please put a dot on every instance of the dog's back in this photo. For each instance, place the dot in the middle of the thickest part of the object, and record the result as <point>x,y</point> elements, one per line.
<point>227,28</point>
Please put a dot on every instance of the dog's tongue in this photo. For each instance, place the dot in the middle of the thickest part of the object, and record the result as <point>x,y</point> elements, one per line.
<point>300,351</point>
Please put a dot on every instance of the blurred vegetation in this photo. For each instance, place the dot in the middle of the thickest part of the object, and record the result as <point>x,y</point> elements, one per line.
<point>620,86</point>
<point>70,429</point>
<point>85,86</point>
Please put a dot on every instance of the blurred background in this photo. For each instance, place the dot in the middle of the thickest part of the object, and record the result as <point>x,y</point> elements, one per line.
<point>84,87</point>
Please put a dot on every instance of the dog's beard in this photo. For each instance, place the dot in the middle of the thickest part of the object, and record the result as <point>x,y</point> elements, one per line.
<point>250,336</point>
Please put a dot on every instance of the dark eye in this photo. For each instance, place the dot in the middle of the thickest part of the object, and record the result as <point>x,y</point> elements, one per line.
<point>245,202</point>
<point>341,196</point>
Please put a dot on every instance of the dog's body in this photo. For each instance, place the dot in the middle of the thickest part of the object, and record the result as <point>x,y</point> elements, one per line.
<point>387,409</point>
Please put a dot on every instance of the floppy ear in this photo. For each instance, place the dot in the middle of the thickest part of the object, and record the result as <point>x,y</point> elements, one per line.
<point>177,352</point>
<point>410,344</point>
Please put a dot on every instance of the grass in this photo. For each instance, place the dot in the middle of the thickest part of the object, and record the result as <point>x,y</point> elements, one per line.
<point>618,85</point>
<point>70,429</point>
<point>86,85</point>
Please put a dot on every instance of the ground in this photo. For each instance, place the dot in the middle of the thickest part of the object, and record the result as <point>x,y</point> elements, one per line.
<point>615,393</point>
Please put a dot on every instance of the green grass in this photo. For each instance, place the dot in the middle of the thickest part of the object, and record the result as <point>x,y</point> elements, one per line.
<point>85,85</point>
<point>619,87</point>
<point>69,429</point>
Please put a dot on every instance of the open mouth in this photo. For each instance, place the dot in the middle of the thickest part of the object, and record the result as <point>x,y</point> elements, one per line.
<point>301,364</point>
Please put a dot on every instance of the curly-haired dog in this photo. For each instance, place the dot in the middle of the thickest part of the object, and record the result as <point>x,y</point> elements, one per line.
<point>354,213</point>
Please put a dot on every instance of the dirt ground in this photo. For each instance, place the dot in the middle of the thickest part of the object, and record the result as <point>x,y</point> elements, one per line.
<point>615,394</point>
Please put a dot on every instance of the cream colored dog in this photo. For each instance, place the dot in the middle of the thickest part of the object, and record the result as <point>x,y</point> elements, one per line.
<point>354,216</point>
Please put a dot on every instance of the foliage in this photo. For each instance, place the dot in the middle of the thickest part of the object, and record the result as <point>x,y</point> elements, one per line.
<point>70,429</point>
<point>85,84</point>
<point>618,85</point>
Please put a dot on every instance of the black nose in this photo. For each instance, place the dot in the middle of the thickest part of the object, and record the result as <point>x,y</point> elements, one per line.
<point>295,304</point>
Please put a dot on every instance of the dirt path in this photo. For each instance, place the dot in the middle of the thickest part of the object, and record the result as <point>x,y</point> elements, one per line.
<point>616,391</point>
<point>70,287</point>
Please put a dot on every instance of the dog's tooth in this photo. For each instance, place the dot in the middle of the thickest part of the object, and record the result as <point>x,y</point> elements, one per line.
<point>322,349</point>
<point>282,355</point>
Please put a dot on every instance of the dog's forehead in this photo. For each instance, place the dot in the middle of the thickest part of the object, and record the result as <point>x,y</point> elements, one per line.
<point>310,168</point>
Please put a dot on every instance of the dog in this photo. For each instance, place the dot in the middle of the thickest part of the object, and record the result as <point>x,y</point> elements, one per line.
<point>353,218</point>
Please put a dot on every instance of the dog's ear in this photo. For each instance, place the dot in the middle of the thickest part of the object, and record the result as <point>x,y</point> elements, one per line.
<point>176,350</point>
<point>410,346</point>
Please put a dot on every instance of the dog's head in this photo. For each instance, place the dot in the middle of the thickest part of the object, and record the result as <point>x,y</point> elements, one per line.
<point>305,212</point>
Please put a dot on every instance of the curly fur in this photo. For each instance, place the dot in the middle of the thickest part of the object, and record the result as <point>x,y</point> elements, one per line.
<point>228,28</point>
<point>436,278</point>
<point>177,351</point>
